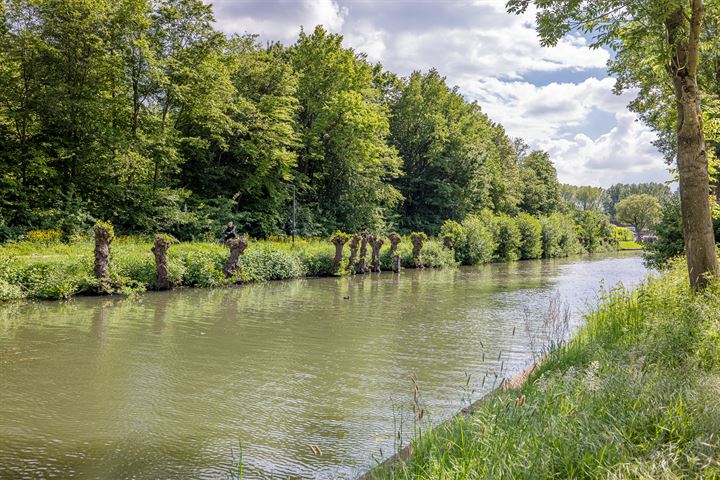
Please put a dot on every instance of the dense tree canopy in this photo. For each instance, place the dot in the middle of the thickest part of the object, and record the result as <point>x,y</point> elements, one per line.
<point>641,211</point>
<point>142,113</point>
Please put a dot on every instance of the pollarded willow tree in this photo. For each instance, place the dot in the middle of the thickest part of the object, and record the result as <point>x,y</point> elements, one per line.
<point>657,44</point>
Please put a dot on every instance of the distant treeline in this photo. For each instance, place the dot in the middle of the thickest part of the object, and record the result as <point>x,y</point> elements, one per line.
<point>144,114</point>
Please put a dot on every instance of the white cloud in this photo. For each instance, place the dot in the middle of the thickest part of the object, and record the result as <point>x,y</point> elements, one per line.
<point>624,154</point>
<point>278,20</point>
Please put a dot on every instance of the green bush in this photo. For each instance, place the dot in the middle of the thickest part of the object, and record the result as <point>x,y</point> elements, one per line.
<point>265,263</point>
<point>9,291</point>
<point>559,236</point>
<point>476,243</point>
<point>507,238</point>
<point>530,236</point>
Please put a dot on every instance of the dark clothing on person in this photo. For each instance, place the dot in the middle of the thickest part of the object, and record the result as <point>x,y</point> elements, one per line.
<point>229,233</point>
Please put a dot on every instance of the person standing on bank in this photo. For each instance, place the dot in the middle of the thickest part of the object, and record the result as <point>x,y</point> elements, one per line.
<point>229,232</point>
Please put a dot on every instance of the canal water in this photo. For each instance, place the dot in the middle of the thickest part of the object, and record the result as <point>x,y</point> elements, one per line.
<point>298,379</point>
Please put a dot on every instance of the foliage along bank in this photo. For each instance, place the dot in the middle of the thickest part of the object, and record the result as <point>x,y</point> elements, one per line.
<point>46,268</point>
<point>144,114</point>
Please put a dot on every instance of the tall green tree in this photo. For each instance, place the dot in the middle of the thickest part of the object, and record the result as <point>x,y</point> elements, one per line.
<point>344,162</point>
<point>657,43</point>
<point>456,161</point>
<point>540,186</point>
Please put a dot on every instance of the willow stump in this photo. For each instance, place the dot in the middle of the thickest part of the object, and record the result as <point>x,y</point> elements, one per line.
<point>354,244</point>
<point>103,237</point>
<point>237,247</point>
<point>417,240</point>
<point>162,263</point>
<point>361,267</point>
<point>339,240</point>
<point>376,244</point>
<point>394,241</point>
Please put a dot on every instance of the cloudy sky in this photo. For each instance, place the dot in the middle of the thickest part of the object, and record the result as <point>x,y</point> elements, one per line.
<point>558,99</point>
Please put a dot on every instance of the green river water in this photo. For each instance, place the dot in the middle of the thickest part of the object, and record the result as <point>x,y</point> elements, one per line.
<point>170,385</point>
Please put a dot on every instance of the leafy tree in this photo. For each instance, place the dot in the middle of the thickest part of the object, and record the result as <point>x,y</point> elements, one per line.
<point>344,163</point>
<point>583,198</point>
<point>620,191</point>
<point>540,187</point>
<point>640,211</point>
<point>456,161</point>
<point>593,230</point>
<point>657,45</point>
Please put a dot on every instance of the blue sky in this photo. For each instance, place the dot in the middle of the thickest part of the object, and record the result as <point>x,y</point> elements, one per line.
<point>558,99</point>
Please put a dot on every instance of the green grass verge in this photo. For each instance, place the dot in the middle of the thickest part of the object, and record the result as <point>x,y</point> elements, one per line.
<point>629,245</point>
<point>633,395</point>
<point>58,270</point>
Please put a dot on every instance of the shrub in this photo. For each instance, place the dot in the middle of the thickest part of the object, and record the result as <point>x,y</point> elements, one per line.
<point>476,243</point>
<point>9,291</point>
<point>507,238</point>
<point>265,263</point>
<point>559,236</point>
<point>44,236</point>
<point>530,236</point>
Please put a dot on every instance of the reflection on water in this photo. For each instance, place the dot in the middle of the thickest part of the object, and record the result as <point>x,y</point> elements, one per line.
<point>169,385</point>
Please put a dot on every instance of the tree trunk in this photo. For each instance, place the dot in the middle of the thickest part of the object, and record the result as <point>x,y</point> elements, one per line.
<point>376,244</point>
<point>162,263</point>
<point>339,241</point>
<point>394,241</point>
<point>361,267</point>
<point>237,247</point>
<point>417,241</point>
<point>354,243</point>
<point>692,157</point>
<point>103,238</point>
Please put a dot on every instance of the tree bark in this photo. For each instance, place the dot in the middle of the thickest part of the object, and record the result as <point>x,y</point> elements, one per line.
<point>698,232</point>
<point>354,244</point>
<point>417,241</point>
<point>376,244</point>
<point>162,263</point>
<point>103,238</point>
<point>361,267</point>
<point>394,241</point>
<point>237,247</point>
<point>339,241</point>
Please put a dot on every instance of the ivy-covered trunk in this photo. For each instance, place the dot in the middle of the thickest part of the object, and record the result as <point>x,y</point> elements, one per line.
<point>692,155</point>
<point>354,244</point>
<point>237,247</point>
<point>162,263</point>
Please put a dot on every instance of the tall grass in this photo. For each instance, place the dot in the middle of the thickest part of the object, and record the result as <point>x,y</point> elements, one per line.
<point>633,395</point>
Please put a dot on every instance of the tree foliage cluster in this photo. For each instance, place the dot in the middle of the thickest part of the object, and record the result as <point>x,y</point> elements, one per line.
<point>143,113</point>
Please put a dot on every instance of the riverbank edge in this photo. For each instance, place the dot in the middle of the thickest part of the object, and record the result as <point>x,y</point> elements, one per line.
<point>405,454</point>
<point>632,394</point>
<point>61,276</point>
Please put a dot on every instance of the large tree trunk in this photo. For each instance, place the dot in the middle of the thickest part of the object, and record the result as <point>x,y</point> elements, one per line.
<point>692,157</point>
<point>103,237</point>
<point>162,263</point>
<point>394,241</point>
<point>339,241</point>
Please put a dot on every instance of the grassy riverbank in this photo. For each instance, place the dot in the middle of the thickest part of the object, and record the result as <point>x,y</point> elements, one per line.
<point>634,395</point>
<point>56,270</point>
